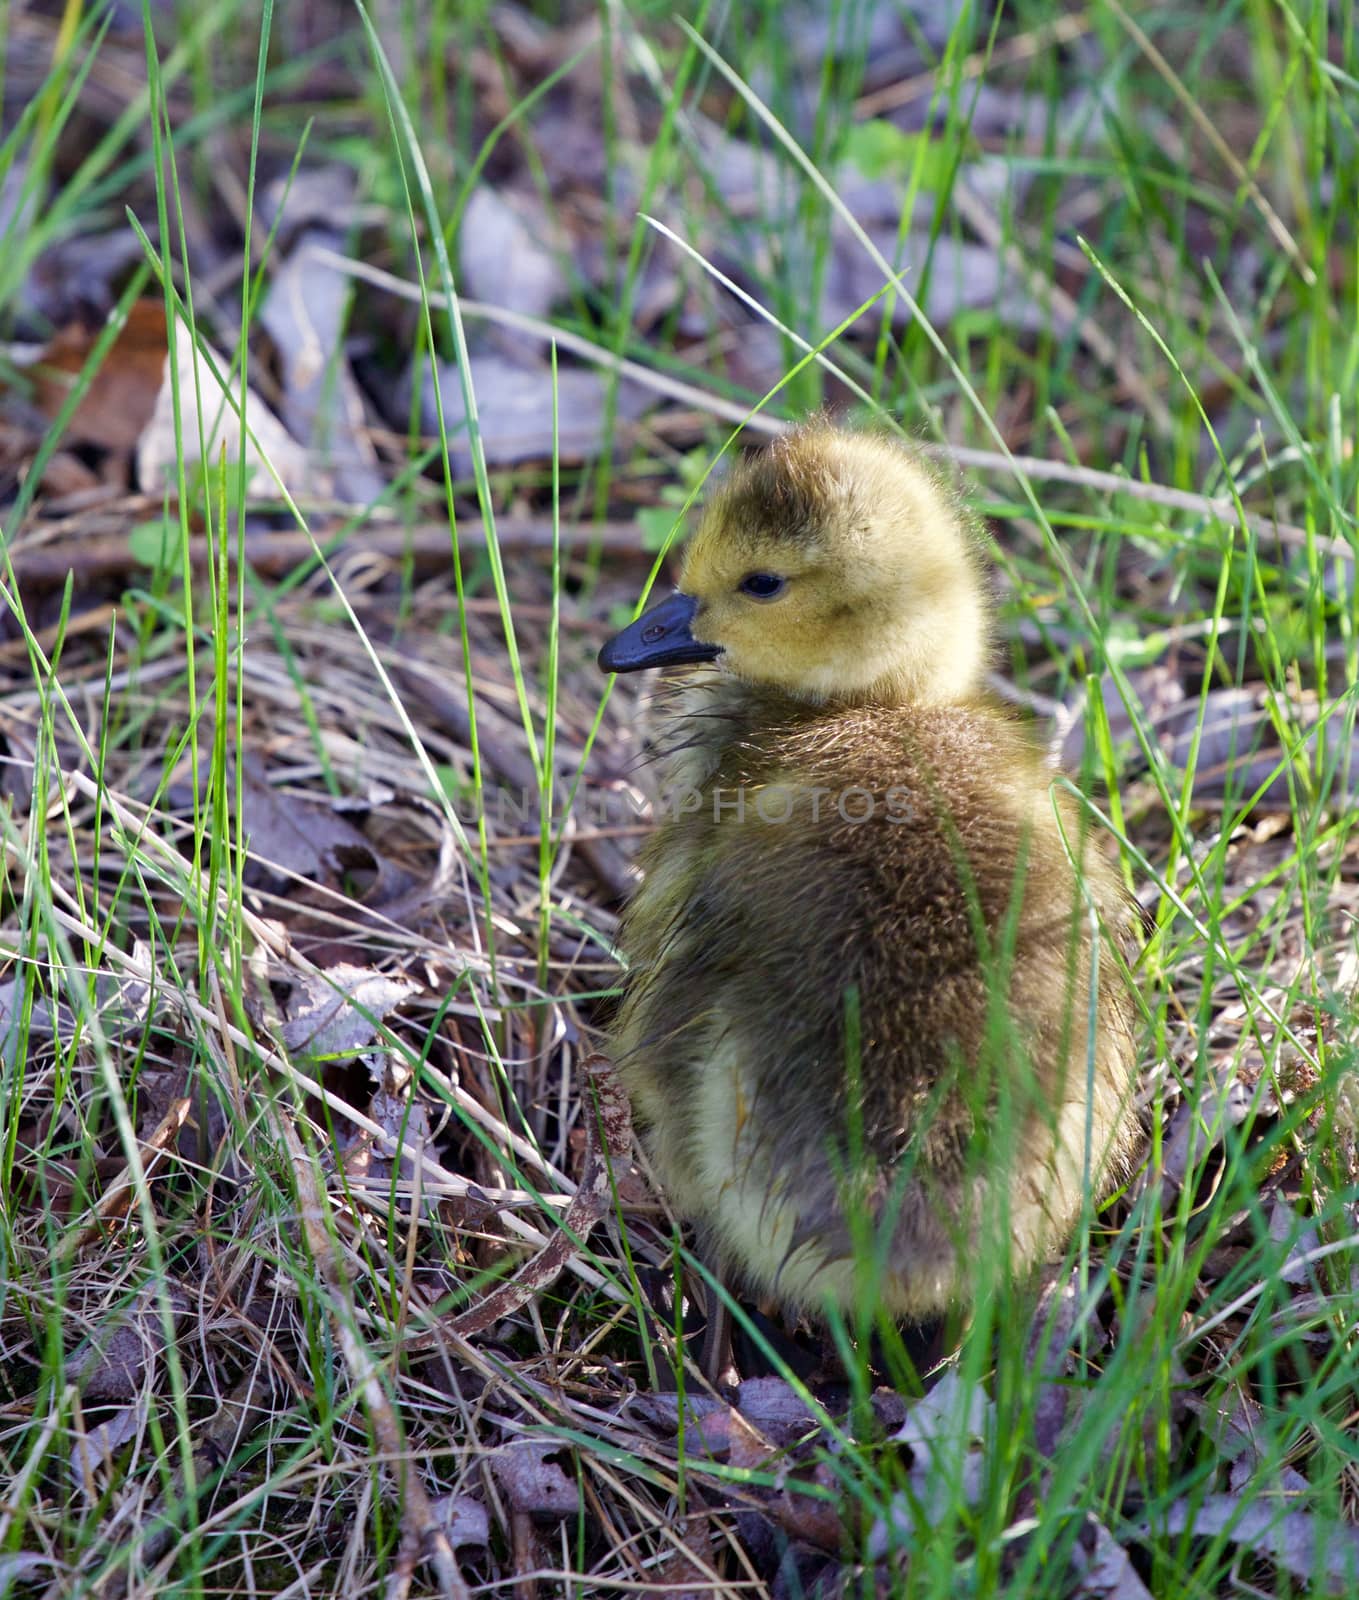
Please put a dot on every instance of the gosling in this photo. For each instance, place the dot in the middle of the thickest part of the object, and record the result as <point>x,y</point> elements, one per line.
<point>867,1025</point>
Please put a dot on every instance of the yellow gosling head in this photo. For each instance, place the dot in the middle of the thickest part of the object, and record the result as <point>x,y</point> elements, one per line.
<point>831,566</point>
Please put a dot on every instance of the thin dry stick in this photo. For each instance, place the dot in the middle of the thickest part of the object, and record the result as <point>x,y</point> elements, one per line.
<point>608,1142</point>
<point>686,393</point>
<point>423,1536</point>
<point>1220,507</point>
<point>275,554</point>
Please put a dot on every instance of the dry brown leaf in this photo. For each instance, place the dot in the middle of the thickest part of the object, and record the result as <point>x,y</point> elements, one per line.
<point>1233,1423</point>
<point>113,1367</point>
<point>662,1409</point>
<point>337,1013</point>
<point>463,1519</point>
<point>121,1008</point>
<point>1306,1546</point>
<point>1103,1569</point>
<point>120,1195</point>
<point>504,257</point>
<point>709,1424</point>
<point>93,1450</point>
<point>121,398</point>
<point>298,835</point>
<point>220,431</point>
<point>312,197</point>
<point>944,1430</point>
<point>66,476</point>
<point>1287,1227</point>
<point>687,1573</point>
<point>1159,694</point>
<point>813,1519</point>
<point>405,1120</point>
<point>322,406</point>
<point>774,1407</point>
<point>962,277</point>
<point>18,1566</point>
<point>1051,1335</point>
<point>514,411</point>
<point>527,1471</point>
<point>1238,749</point>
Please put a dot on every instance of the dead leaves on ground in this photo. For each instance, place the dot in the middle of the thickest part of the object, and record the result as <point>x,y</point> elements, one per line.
<point>458,1168</point>
<point>532,245</point>
<point>382,1169</point>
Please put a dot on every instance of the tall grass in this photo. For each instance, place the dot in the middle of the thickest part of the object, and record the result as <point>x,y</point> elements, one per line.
<point>1196,354</point>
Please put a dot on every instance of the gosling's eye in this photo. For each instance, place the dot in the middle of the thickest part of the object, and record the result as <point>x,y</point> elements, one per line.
<point>762,585</point>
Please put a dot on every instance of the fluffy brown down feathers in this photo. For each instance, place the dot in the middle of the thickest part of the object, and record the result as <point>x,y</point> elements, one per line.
<point>864,999</point>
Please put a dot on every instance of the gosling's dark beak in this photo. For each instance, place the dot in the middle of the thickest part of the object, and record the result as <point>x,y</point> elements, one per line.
<point>659,638</point>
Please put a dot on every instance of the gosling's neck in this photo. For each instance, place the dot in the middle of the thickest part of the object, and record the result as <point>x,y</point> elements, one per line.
<point>938,658</point>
